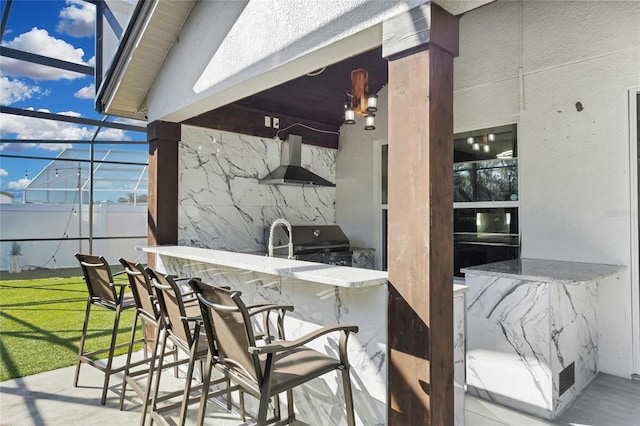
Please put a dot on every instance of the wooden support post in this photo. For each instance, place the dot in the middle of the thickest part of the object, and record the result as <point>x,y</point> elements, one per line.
<point>420,46</point>
<point>162,219</point>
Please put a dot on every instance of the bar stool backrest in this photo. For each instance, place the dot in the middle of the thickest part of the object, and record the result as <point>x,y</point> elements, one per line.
<point>224,312</point>
<point>97,275</point>
<point>141,288</point>
<point>171,306</point>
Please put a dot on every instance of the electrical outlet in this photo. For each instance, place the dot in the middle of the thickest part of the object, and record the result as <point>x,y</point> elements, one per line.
<point>267,121</point>
<point>276,123</point>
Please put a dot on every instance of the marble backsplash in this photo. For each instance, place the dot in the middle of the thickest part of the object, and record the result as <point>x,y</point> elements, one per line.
<point>222,205</point>
<point>363,257</point>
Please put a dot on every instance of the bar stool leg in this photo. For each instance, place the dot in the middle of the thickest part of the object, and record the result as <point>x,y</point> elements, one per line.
<point>147,392</point>
<point>107,373</point>
<point>157,385</point>
<point>82,340</point>
<point>128,361</point>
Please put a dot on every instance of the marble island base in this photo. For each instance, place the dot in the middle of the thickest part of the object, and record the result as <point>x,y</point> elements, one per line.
<point>532,333</point>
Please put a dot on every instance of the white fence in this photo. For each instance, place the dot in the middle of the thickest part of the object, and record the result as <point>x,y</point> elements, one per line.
<point>64,221</point>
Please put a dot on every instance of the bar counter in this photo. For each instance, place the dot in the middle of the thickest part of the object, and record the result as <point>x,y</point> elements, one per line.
<point>322,295</point>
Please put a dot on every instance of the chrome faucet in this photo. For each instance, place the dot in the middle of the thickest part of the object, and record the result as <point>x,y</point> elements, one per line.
<point>275,223</point>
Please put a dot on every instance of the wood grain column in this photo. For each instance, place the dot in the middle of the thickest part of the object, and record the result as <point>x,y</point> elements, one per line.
<point>162,218</point>
<point>420,46</point>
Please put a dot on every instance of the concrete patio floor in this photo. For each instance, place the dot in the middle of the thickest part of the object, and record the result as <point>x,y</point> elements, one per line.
<point>49,399</point>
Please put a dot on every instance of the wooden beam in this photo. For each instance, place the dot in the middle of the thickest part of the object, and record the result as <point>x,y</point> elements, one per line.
<point>359,90</point>
<point>250,121</point>
<point>418,29</point>
<point>420,329</point>
<point>162,226</point>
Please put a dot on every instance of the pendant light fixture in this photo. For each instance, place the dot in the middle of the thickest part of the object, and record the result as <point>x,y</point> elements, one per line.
<point>359,102</point>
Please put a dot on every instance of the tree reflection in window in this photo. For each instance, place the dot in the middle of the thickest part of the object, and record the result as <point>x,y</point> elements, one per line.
<point>486,180</point>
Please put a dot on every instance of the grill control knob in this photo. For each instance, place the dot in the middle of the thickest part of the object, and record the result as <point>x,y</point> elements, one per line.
<point>316,232</point>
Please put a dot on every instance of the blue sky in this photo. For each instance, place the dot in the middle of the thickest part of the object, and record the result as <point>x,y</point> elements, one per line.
<point>63,30</point>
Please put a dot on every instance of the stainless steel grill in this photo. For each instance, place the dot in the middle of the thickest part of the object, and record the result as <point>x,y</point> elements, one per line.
<point>316,243</point>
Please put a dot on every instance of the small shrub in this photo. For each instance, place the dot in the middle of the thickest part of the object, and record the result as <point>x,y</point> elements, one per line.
<point>16,249</point>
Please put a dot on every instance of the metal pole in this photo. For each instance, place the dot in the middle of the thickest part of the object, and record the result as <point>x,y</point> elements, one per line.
<point>92,147</point>
<point>79,208</point>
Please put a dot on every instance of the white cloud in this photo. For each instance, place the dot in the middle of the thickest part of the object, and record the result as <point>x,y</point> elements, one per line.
<point>112,135</point>
<point>77,19</point>
<point>40,42</point>
<point>16,147</point>
<point>87,92</point>
<point>13,90</point>
<point>18,184</point>
<point>3,172</point>
<point>70,113</point>
<point>55,146</point>
<point>34,128</point>
<point>39,129</point>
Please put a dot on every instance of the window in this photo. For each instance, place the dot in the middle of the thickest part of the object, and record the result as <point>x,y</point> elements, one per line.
<point>485,165</point>
<point>485,194</point>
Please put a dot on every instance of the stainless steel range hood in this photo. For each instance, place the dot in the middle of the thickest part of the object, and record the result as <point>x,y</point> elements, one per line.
<point>290,172</point>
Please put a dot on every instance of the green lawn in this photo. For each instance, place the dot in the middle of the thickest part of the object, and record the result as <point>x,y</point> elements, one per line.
<point>41,320</point>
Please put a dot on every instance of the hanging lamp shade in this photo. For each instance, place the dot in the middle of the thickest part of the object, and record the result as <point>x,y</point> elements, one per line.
<point>349,115</point>
<point>372,102</point>
<point>369,123</point>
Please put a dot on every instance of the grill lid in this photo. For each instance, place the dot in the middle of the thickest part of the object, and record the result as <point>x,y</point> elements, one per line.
<point>312,238</point>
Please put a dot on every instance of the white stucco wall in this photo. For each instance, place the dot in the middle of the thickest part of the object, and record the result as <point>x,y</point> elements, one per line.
<point>573,165</point>
<point>250,46</point>
<point>570,161</point>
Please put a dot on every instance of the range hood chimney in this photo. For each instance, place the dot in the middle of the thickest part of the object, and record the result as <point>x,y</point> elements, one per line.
<point>290,172</point>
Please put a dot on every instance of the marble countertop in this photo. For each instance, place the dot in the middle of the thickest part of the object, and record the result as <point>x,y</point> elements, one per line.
<point>340,276</point>
<point>545,270</point>
<point>460,289</point>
